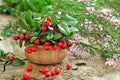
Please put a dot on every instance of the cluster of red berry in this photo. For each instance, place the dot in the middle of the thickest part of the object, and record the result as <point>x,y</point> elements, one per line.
<point>47,74</point>
<point>22,37</point>
<point>65,44</point>
<point>45,71</point>
<point>61,43</point>
<point>47,45</point>
<point>46,24</point>
<point>30,50</point>
<point>26,76</point>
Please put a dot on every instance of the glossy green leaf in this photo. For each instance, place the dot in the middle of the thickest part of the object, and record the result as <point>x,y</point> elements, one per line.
<point>3,56</point>
<point>54,19</point>
<point>70,20</point>
<point>57,36</point>
<point>1,53</point>
<point>49,37</point>
<point>64,28</point>
<point>32,39</point>
<point>23,24</point>
<point>72,29</point>
<point>17,62</point>
<point>28,18</point>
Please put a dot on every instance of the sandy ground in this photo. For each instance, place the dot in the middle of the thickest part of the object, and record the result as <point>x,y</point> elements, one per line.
<point>94,70</point>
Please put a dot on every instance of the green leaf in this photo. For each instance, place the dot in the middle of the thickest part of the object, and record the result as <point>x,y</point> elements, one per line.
<point>23,24</point>
<point>49,37</point>
<point>1,53</point>
<point>28,18</point>
<point>72,30</point>
<point>32,39</point>
<point>24,5</point>
<point>6,32</point>
<point>54,42</point>
<point>17,62</point>
<point>70,20</point>
<point>64,28</point>
<point>44,11</point>
<point>3,56</point>
<point>54,19</point>
<point>11,1</point>
<point>57,36</point>
<point>30,4</point>
<point>50,28</point>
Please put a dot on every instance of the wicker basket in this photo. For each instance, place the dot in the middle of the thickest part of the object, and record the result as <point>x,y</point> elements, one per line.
<point>47,57</point>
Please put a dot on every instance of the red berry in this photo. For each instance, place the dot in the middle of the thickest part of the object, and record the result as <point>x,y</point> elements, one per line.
<point>29,68</point>
<point>54,47</point>
<point>29,51</point>
<point>26,50</point>
<point>44,28</point>
<point>57,71</point>
<point>15,37</point>
<point>44,70</point>
<point>55,32</point>
<point>30,36</point>
<point>59,44</point>
<point>47,74</point>
<point>53,73</point>
<point>68,66</point>
<point>27,37</point>
<point>22,37</point>
<point>34,49</point>
<point>10,58</point>
<point>49,19</point>
<point>69,43</point>
<point>47,43</point>
<point>64,46</point>
<point>37,41</point>
<point>47,47</point>
<point>26,76</point>
<point>61,40</point>
<point>47,23</point>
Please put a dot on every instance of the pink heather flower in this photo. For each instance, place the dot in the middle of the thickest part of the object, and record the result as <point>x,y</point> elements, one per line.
<point>70,53</point>
<point>100,27</point>
<point>100,16</point>
<point>86,26</point>
<point>58,16</point>
<point>111,62</point>
<point>75,49</point>
<point>77,38</point>
<point>90,28</point>
<point>80,49</point>
<point>90,9</point>
<point>106,38</point>
<point>105,11</point>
